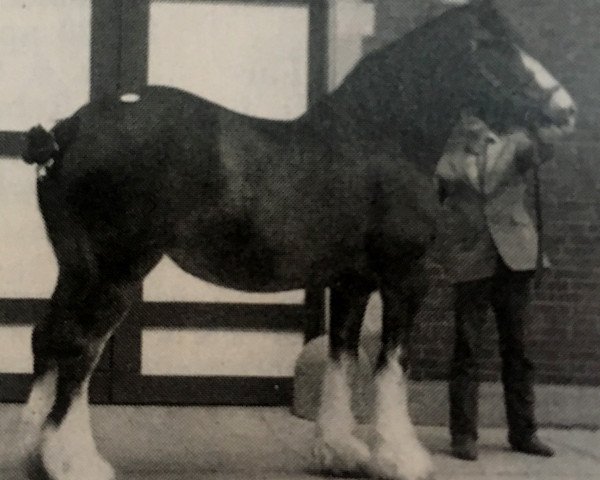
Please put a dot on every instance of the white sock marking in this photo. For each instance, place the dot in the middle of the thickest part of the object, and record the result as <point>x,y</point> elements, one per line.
<point>392,417</point>
<point>37,408</point>
<point>398,453</point>
<point>335,412</point>
<point>41,399</point>
<point>69,451</point>
<point>337,449</point>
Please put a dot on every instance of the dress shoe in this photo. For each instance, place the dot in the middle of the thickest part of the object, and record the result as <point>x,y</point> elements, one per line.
<point>532,446</point>
<point>464,448</point>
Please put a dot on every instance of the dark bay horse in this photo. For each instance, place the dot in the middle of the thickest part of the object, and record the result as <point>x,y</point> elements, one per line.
<point>341,197</point>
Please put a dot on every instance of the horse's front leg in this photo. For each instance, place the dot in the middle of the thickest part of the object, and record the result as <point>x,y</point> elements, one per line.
<point>337,449</point>
<point>398,453</point>
<point>67,345</point>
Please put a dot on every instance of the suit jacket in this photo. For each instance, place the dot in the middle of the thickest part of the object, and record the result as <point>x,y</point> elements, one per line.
<point>484,214</point>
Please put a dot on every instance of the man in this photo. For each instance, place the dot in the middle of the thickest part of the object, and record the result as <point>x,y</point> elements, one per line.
<point>490,254</point>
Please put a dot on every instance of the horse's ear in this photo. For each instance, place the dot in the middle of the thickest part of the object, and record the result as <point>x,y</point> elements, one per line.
<point>483,10</point>
<point>482,4</point>
<point>483,7</point>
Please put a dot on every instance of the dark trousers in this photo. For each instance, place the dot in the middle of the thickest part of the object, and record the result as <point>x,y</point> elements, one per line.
<point>508,293</point>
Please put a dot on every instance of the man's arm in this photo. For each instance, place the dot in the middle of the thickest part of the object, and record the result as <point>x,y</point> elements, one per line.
<point>514,155</point>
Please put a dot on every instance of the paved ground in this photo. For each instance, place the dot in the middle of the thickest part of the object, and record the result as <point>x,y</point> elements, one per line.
<point>217,443</point>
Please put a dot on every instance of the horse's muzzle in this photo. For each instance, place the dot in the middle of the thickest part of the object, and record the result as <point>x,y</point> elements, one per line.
<point>561,115</point>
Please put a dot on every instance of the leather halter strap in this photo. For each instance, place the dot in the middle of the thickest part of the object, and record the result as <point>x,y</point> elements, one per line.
<point>539,220</point>
<point>496,83</point>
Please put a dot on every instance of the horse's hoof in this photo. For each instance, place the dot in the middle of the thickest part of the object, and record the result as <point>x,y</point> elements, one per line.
<point>34,467</point>
<point>98,470</point>
<point>390,463</point>
<point>35,470</point>
<point>93,468</point>
<point>342,456</point>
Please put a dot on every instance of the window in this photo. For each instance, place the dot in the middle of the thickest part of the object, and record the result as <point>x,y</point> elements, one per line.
<point>44,60</point>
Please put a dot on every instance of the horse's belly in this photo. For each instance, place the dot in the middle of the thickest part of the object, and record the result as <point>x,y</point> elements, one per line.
<point>247,269</point>
<point>243,259</point>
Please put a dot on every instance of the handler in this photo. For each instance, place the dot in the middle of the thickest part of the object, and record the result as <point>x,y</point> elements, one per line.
<point>490,254</point>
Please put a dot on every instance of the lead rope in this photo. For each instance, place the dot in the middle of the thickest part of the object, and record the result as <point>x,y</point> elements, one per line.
<point>539,221</point>
<point>482,165</point>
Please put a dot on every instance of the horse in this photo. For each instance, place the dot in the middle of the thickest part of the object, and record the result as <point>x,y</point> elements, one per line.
<point>342,197</point>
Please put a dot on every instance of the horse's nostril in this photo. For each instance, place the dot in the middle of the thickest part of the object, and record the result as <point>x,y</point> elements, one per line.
<point>570,115</point>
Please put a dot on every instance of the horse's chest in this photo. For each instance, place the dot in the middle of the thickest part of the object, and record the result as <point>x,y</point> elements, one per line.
<point>229,251</point>
<point>287,190</point>
<point>281,214</point>
<point>407,201</point>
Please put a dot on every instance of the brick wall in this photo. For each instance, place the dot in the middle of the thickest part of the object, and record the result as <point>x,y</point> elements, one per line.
<point>564,330</point>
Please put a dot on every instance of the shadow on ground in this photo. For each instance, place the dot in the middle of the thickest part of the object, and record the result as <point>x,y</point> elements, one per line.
<point>185,443</point>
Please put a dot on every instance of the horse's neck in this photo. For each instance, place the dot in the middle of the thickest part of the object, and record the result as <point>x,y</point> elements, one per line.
<point>345,122</point>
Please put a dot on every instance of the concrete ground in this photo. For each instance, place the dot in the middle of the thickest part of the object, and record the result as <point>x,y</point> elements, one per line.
<point>231,443</point>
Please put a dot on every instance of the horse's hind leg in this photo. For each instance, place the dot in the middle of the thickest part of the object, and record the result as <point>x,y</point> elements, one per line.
<point>67,344</point>
<point>337,449</point>
<point>398,453</point>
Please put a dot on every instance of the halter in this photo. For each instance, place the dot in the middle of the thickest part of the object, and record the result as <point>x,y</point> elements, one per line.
<point>539,221</point>
<point>537,199</point>
<point>545,96</point>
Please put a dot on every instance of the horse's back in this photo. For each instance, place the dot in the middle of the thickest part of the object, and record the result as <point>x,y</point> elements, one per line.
<point>234,199</point>
<point>121,166</point>
<point>112,127</point>
<point>159,128</point>
<point>241,201</point>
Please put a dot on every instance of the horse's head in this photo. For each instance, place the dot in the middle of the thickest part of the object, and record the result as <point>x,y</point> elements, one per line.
<point>411,92</point>
<point>502,83</point>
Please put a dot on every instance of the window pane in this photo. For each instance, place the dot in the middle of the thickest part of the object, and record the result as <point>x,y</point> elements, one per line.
<point>224,352</point>
<point>351,22</point>
<point>44,60</point>
<point>167,282</point>
<point>27,268</point>
<point>250,58</point>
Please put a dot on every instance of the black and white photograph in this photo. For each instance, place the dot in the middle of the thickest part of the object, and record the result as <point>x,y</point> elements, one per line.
<point>299,239</point>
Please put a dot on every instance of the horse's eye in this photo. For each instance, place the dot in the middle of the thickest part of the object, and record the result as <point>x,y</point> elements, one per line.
<point>490,140</point>
<point>494,43</point>
<point>487,42</point>
<point>469,150</point>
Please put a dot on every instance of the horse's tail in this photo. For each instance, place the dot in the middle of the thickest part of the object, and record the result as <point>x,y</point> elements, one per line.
<point>42,145</point>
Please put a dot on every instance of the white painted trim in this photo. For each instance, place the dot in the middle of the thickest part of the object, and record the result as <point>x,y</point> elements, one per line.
<point>226,53</point>
<point>337,450</point>
<point>45,49</point>
<point>350,21</point>
<point>195,352</point>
